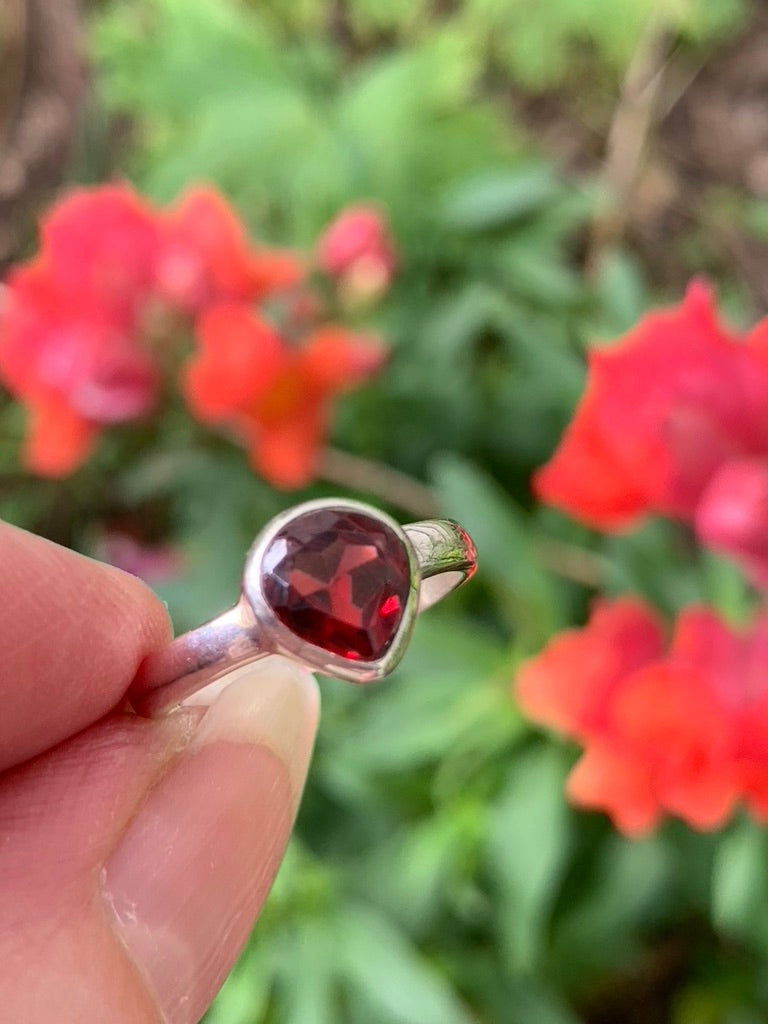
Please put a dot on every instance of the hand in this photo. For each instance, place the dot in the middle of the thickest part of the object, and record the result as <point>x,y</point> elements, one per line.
<point>134,854</point>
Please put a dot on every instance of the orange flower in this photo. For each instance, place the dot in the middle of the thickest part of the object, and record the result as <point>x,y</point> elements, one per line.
<point>277,398</point>
<point>569,685</point>
<point>205,257</point>
<point>681,731</point>
<point>76,328</point>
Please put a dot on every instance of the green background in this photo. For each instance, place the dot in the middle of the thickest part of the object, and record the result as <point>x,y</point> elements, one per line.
<point>437,875</point>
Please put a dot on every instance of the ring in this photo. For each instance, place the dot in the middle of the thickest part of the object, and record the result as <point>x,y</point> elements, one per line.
<point>333,584</point>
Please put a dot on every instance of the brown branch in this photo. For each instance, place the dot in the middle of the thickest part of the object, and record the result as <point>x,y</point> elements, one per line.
<point>395,488</point>
<point>382,482</point>
<point>41,88</point>
<point>631,126</point>
<point>13,30</point>
<point>572,563</point>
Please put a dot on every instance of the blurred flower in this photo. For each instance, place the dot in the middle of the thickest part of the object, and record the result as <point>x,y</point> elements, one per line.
<point>569,684</point>
<point>101,244</point>
<point>276,397</point>
<point>153,563</point>
<point>682,731</point>
<point>732,516</point>
<point>664,410</point>
<point>72,365</point>
<point>70,326</point>
<point>356,250</point>
<point>81,327</point>
<point>205,257</point>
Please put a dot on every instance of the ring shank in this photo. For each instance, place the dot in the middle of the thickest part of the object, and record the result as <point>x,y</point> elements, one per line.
<point>166,678</point>
<point>446,557</point>
<point>171,674</point>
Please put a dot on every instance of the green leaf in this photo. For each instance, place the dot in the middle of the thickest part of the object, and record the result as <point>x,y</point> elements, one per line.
<point>655,561</point>
<point>726,589</point>
<point>379,962</point>
<point>308,973</point>
<point>622,294</point>
<point>528,848</point>
<point>740,885</point>
<point>612,896</point>
<point>540,276</point>
<point>506,554</point>
<point>446,697</point>
<point>424,865</point>
<point>497,199</point>
<point>244,997</point>
<point>528,1003</point>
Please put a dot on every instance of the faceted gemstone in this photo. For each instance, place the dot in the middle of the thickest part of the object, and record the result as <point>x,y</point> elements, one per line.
<point>340,580</point>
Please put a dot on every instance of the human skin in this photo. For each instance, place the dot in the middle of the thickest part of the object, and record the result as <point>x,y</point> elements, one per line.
<point>135,854</point>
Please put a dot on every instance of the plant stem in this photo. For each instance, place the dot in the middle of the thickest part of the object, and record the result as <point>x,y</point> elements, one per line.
<point>633,121</point>
<point>572,563</point>
<point>389,485</point>
<point>382,482</point>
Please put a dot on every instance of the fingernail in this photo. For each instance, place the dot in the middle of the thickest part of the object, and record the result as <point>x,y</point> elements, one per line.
<point>197,861</point>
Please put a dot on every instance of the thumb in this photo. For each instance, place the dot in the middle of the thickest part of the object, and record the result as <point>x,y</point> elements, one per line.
<point>153,846</point>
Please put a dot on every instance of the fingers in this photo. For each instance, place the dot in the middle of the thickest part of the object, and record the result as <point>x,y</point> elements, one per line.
<point>72,633</point>
<point>136,856</point>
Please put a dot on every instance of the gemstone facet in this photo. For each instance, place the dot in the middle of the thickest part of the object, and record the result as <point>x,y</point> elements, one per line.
<point>339,579</point>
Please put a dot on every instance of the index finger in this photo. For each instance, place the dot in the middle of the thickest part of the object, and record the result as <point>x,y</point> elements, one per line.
<point>72,634</point>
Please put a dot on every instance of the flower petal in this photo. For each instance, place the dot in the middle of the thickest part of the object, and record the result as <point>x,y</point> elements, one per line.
<point>569,684</point>
<point>286,453</point>
<point>604,779</point>
<point>732,516</point>
<point>207,258</point>
<point>663,409</point>
<point>239,358</point>
<point>334,359</point>
<point>58,439</point>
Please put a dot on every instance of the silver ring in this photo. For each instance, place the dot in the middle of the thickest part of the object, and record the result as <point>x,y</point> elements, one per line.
<point>333,584</point>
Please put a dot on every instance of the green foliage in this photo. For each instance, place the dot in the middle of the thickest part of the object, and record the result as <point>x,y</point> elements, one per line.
<point>436,876</point>
<point>392,980</point>
<point>505,553</point>
<point>281,130</point>
<point>539,46</point>
<point>528,844</point>
<point>621,889</point>
<point>497,200</point>
<point>740,885</point>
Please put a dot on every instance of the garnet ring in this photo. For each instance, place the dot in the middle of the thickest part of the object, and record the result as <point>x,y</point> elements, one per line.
<point>333,584</point>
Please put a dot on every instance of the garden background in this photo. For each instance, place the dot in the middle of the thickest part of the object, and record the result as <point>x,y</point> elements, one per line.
<point>539,177</point>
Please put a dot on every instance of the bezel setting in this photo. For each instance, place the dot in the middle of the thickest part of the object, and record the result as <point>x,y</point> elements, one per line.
<point>283,640</point>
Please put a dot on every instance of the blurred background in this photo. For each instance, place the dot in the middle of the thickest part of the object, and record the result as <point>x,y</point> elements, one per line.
<point>547,173</point>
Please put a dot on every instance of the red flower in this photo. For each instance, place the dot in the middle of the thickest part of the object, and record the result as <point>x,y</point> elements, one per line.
<point>732,516</point>
<point>663,411</point>
<point>276,397</point>
<point>79,330</point>
<point>683,732</point>
<point>70,328</point>
<point>76,322</point>
<point>570,683</point>
<point>101,244</point>
<point>356,250</point>
<point>206,258</point>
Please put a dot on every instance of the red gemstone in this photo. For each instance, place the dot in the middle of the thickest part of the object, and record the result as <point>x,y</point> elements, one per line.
<point>340,580</point>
